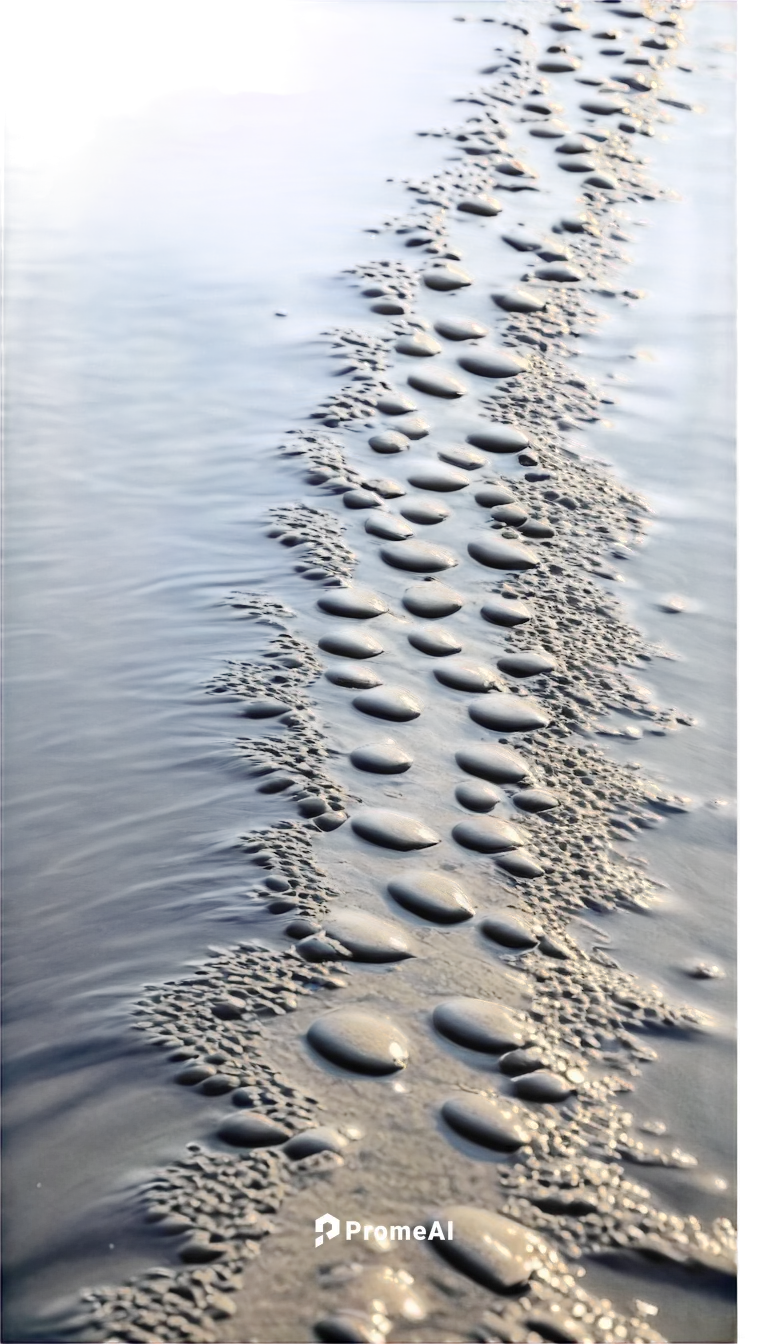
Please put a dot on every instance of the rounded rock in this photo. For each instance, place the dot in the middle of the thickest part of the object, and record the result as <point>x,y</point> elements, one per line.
<point>519,864</point>
<point>413,427</point>
<point>517,1062</point>
<point>538,529</point>
<point>535,800</point>
<point>491,1250</point>
<point>498,439</point>
<point>602,107</point>
<point>543,1086</point>
<point>525,664</point>
<point>350,644</point>
<point>493,496</point>
<point>381,758</point>
<point>497,553</point>
<point>427,512</point>
<point>513,301</point>
<point>389,442</point>
<point>312,1141</point>
<point>388,527</point>
<point>508,932</point>
<point>462,457</point>
<point>488,1121</point>
<point>252,1131</point>
<point>477,797</point>
<point>392,830</point>
<point>480,205</point>
<point>444,480</point>
<point>354,678</point>
<point>393,403</point>
<point>486,835</point>
<point>494,364</point>
<point>363,1042</point>
<point>504,713</point>
<point>367,937</point>
<point>265,709</point>
<point>479,1024</point>
<point>492,761</point>
<point>432,600</point>
<point>390,702</point>
<point>435,642</point>
<point>418,557</point>
<point>432,896</point>
<point>418,344</point>
<point>510,514</point>
<point>354,603</point>
<point>445,278</point>
<point>505,612</point>
<point>437,385</point>
<point>559,272</point>
<point>361,499</point>
<point>466,676</point>
<point>460,329</point>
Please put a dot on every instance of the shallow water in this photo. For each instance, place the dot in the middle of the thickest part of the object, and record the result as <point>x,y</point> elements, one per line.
<point>150,383</point>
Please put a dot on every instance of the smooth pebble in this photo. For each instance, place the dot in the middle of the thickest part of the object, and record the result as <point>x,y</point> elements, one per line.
<point>431,600</point>
<point>435,641</point>
<point>381,758</point>
<point>350,644</point>
<point>363,1042</point>
<point>486,835</point>
<point>419,557</point>
<point>392,830</point>
<point>493,1251</point>
<point>489,1121</point>
<point>389,702</point>
<point>480,1024</point>
<point>493,761</point>
<point>356,603</point>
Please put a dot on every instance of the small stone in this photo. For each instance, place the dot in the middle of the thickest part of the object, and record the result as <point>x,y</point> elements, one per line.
<point>353,677</point>
<point>535,800</point>
<point>363,1042</point>
<point>480,205</point>
<point>434,641</point>
<point>487,835</point>
<point>367,937</point>
<point>388,703</point>
<point>388,526</point>
<point>431,476</point>
<point>463,675</point>
<point>495,552</point>
<point>432,896</point>
<point>505,612</point>
<point>252,1131</point>
<point>418,557</point>
<point>496,439</point>
<point>488,1121</point>
<point>492,364</point>
<point>494,762</point>
<point>389,442</point>
<point>446,278</point>
<point>491,1250</point>
<point>392,830</point>
<point>477,797</point>
<point>392,403</point>
<point>418,344</point>
<point>312,1141</point>
<point>507,713</point>
<point>350,644</point>
<point>352,602</point>
<point>508,932</point>
<point>460,329</point>
<point>480,1024</point>
<point>437,384</point>
<point>514,301</point>
<point>525,664</point>
<point>519,864</point>
<point>381,758</point>
<point>543,1086</point>
<point>431,599</point>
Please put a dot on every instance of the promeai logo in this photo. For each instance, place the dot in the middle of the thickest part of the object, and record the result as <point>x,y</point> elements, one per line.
<point>328,1226</point>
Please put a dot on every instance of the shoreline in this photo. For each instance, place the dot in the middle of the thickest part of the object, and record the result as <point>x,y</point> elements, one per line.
<point>206,1015</point>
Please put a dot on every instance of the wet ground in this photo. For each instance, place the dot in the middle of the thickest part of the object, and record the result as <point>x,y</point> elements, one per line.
<point>152,387</point>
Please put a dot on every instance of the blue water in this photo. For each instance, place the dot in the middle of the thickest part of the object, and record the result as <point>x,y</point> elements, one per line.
<point>147,382</point>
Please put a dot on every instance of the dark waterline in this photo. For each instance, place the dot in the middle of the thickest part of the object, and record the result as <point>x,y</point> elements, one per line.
<point>145,381</point>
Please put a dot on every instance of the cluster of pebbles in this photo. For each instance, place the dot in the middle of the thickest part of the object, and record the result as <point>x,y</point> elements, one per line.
<point>550,1032</point>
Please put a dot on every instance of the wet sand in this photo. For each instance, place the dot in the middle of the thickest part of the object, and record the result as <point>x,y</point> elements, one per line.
<point>438,729</point>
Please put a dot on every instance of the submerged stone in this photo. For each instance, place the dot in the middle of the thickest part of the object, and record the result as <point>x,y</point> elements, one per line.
<point>363,1042</point>
<point>543,1086</point>
<point>393,403</point>
<point>503,611</point>
<point>537,528</point>
<point>312,1141</point>
<point>602,107</point>
<point>462,457</point>
<point>265,709</point>
<point>413,426</point>
<point>520,864</point>
<point>252,1131</point>
<point>510,514</point>
<point>508,932</point>
<point>392,830</point>
<point>361,499</point>
<point>492,496</point>
<point>535,800</point>
<point>432,896</point>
